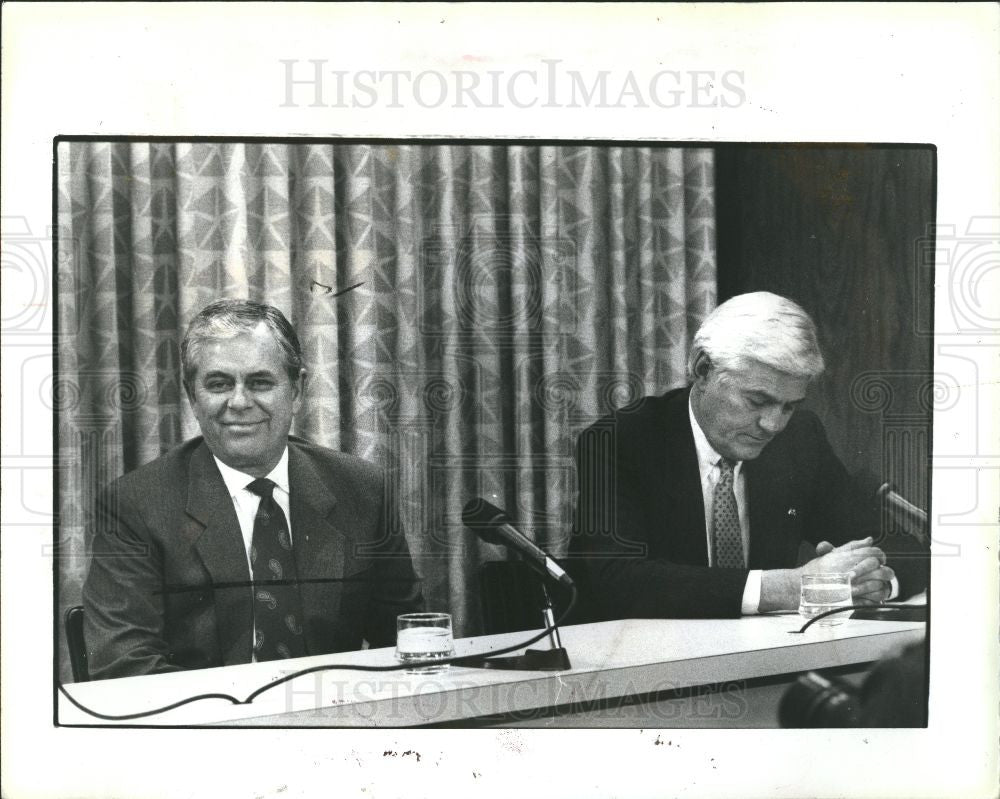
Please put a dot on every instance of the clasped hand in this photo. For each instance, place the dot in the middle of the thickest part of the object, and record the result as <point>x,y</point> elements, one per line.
<point>871,579</point>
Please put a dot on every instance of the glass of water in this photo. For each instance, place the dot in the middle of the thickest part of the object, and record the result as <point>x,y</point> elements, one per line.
<point>823,592</point>
<point>423,637</point>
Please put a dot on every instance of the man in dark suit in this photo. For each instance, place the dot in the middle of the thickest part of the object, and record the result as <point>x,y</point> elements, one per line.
<point>246,543</point>
<point>696,503</point>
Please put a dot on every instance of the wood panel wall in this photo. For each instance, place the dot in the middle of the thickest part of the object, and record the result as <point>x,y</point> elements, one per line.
<point>839,230</point>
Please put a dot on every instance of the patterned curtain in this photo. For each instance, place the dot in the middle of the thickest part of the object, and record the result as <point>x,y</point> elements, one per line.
<point>465,311</point>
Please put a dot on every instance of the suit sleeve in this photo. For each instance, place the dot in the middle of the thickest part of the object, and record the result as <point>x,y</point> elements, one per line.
<point>396,588</point>
<point>611,549</point>
<point>843,512</point>
<point>123,609</point>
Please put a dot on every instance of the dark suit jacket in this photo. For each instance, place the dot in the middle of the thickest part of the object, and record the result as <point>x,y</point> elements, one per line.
<point>638,546</point>
<point>166,542</point>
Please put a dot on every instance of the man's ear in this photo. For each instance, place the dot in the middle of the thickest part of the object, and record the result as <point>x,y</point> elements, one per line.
<point>187,390</point>
<point>702,367</point>
<point>299,386</point>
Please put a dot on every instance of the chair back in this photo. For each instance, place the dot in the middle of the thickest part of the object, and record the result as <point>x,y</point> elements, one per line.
<point>73,620</point>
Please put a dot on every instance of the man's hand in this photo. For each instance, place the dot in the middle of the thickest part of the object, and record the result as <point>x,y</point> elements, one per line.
<point>870,577</point>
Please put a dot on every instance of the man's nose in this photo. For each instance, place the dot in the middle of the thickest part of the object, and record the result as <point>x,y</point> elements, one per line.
<point>239,400</point>
<point>773,420</point>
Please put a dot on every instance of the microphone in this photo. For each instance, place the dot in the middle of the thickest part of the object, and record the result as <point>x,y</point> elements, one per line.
<point>910,513</point>
<point>913,517</point>
<point>494,526</point>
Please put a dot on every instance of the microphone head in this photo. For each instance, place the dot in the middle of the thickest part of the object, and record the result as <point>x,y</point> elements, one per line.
<point>483,518</point>
<point>870,485</point>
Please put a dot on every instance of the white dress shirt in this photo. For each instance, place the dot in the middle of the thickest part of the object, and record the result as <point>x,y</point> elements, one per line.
<point>709,471</point>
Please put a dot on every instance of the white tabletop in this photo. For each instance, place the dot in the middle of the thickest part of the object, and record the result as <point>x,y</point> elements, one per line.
<point>609,660</point>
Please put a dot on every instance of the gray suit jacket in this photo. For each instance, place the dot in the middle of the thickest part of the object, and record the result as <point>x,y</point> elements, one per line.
<point>168,585</point>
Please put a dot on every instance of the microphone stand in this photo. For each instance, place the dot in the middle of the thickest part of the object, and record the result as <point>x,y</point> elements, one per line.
<point>553,659</point>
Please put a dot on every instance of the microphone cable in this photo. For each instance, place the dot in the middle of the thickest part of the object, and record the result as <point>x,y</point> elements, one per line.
<point>457,660</point>
<point>867,608</point>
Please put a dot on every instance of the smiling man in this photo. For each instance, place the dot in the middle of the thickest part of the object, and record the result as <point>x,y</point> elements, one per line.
<point>245,543</point>
<point>696,503</point>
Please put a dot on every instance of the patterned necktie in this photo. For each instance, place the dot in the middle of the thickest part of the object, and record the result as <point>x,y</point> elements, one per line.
<point>277,608</point>
<point>727,538</point>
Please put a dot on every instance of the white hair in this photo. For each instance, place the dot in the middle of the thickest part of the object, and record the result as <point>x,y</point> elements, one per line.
<point>763,327</point>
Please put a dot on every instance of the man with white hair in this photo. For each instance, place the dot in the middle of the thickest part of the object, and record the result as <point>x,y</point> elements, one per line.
<point>696,503</point>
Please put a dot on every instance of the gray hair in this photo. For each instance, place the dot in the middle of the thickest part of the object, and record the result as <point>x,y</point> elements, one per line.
<point>225,319</point>
<point>763,327</point>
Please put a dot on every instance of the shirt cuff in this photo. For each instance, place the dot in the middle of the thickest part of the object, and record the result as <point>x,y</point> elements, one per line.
<point>893,594</point>
<point>751,594</point>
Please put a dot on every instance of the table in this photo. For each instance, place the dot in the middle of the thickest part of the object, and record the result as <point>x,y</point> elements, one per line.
<point>634,663</point>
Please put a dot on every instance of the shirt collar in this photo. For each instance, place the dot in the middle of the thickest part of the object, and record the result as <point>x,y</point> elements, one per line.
<point>708,458</point>
<point>236,480</point>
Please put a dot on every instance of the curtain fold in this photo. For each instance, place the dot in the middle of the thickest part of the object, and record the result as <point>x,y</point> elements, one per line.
<point>465,311</point>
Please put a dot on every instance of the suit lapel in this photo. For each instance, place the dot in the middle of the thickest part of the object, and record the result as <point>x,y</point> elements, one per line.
<point>318,543</point>
<point>677,459</point>
<point>220,545</point>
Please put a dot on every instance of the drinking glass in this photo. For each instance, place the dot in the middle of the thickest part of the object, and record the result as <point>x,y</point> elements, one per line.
<point>822,592</point>
<point>423,637</point>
